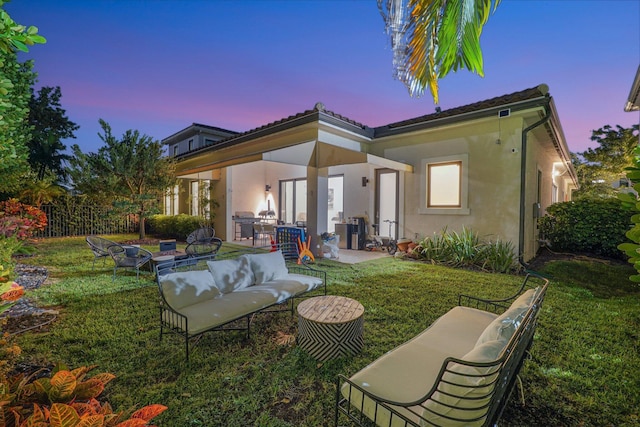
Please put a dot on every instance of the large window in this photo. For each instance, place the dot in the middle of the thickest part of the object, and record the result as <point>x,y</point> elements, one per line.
<point>293,200</point>
<point>195,200</point>
<point>171,201</point>
<point>444,187</point>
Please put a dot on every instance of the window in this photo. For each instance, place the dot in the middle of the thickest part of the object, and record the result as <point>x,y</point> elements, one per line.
<point>171,206</point>
<point>208,141</point>
<point>335,202</point>
<point>554,193</point>
<point>195,208</point>
<point>191,146</point>
<point>444,186</point>
<point>293,200</point>
<point>206,198</point>
<point>167,203</point>
<point>443,182</point>
<point>175,150</point>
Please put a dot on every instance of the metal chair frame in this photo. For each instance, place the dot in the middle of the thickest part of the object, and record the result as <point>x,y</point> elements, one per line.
<point>100,248</point>
<point>124,257</point>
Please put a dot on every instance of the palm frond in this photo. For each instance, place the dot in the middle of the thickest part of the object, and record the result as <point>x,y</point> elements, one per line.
<point>429,38</point>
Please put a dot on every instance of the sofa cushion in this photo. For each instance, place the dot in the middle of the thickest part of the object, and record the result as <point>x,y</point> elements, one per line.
<point>505,325</point>
<point>187,288</point>
<point>465,390</point>
<point>226,307</point>
<point>268,266</point>
<point>231,274</point>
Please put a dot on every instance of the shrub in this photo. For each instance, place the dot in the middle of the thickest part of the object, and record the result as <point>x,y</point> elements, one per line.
<point>174,226</point>
<point>67,395</point>
<point>467,249</point>
<point>20,220</point>
<point>595,226</point>
<point>498,256</point>
<point>630,202</point>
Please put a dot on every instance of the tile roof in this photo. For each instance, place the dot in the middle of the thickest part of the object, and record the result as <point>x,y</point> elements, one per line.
<point>319,110</point>
<point>523,95</point>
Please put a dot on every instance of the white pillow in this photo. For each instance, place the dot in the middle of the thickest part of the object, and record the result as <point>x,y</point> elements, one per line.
<point>231,274</point>
<point>467,395</point>
<point>267,267</point>
<point>505,325</point>
<point>187,288</point>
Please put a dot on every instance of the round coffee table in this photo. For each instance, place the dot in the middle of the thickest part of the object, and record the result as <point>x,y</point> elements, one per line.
<point>330,327</point>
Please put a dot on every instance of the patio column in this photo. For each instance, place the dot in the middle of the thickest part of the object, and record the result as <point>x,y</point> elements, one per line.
<point>317,201</point>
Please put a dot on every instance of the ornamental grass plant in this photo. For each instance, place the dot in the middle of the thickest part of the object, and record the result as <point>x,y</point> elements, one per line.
<point>584,368</point>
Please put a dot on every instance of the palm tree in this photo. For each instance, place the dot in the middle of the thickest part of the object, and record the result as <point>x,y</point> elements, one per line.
<point>429,38</point>
<point>41,192</point>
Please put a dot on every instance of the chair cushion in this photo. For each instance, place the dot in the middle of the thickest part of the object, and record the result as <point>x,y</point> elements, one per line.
<point>420,359</point>
<point>505,325</point>
<point>231,274</point>
<point>187,288</point>
<point>267,267</point>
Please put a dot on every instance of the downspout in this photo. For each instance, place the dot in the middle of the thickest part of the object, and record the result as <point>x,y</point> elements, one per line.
<point>523,173</point>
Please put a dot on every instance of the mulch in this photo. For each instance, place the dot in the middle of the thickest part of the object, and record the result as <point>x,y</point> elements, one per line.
<point>25,315</point>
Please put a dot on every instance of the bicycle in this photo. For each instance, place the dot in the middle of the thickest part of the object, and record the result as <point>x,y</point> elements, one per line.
<point>380,242</point>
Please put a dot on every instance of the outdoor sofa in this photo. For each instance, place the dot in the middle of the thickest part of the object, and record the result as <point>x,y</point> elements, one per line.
<point>460,371</point>
<point>228,290</point>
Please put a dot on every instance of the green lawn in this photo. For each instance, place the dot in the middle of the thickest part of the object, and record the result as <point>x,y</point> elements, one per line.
<point>584,370</point>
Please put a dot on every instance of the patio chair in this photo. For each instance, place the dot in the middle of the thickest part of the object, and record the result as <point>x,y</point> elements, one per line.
<point>202,234</point>
<point>99,246</point>
<point>201,248</point>
<point>202,242</point>
<point>264,233</point>
<point>129,257</point>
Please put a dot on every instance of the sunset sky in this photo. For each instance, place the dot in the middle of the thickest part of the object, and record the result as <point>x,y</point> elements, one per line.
<point>158,66</point>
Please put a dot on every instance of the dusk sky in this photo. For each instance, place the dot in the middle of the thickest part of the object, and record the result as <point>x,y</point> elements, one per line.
<point>158,66</point>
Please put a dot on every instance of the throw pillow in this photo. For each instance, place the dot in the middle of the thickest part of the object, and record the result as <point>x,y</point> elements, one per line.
<point>267,267</point>
<point>231,274</point>
<point>187,288</point>
<point>504,326</point>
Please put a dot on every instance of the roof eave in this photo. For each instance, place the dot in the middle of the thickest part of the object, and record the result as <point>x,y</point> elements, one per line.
<point>384,131</point>
<point>303,119</point>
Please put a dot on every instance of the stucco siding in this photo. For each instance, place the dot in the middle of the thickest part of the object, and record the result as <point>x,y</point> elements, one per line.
<point>492,197</point>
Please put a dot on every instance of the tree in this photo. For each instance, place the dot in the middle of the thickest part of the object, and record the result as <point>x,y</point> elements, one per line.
<point>132,172</point>
<point>429,38</point>
<point>600,167</point>
<point>15,36</point>
<point>15,81</point>
<point>39,192</point>
<point>50,126</point>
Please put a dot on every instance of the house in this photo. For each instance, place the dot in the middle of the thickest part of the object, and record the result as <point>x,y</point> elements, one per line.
<point>492,166</point>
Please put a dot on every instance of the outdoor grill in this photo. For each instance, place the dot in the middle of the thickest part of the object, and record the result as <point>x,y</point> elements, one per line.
<point>244,221</point>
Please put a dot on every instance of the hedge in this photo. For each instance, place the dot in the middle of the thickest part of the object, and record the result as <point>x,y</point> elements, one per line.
<point>595,226</point>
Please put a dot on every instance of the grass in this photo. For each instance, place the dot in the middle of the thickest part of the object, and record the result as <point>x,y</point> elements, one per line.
<point>584,370</point>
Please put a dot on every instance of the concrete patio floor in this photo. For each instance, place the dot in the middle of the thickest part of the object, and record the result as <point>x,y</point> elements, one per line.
<point>346,256</point>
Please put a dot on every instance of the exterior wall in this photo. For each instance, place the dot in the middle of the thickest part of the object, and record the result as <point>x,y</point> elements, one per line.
<point>358,200</point>
<point>493,179</point>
